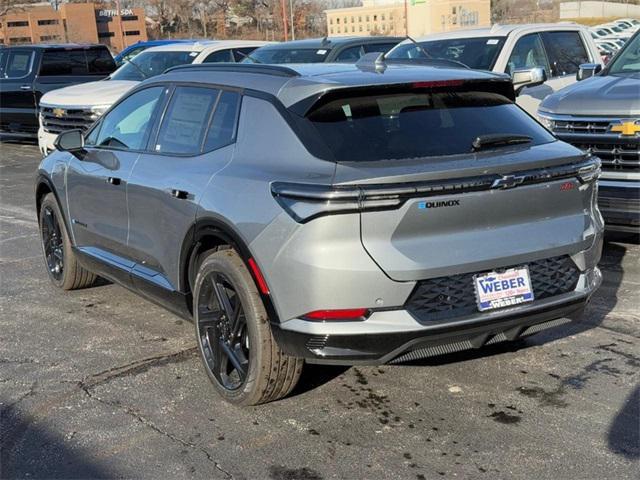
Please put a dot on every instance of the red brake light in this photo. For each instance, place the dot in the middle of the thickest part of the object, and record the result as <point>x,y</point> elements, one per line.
<point>438,83</point>
<point>262,284</point>
<point>344,314</point>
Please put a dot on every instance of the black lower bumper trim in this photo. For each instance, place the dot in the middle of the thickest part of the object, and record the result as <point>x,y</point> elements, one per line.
<point>376,349</point>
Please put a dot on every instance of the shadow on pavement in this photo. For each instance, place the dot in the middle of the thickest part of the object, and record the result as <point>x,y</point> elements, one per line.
<point>624,433</point>
<point>29,451</point>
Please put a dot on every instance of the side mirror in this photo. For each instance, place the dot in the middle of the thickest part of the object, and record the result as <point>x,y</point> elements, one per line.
<point>69,141</point>
<point>530,77</point>
<point>588,70</point>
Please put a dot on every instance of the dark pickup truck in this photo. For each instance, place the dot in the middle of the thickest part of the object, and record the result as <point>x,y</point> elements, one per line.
<point>29,71</point>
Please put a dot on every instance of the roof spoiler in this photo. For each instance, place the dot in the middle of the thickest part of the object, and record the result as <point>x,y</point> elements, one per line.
<point>500,85</point>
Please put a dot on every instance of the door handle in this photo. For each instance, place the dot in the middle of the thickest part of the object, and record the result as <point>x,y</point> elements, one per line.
<point>113,181</point>
<point>181,194</point>
<point>25,87</point>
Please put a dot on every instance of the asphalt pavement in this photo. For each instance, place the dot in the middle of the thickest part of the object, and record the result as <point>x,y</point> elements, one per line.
<point>99,383</point>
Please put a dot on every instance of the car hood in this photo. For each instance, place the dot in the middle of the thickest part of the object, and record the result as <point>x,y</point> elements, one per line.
<point>91,94</point>
<point>609,95</point>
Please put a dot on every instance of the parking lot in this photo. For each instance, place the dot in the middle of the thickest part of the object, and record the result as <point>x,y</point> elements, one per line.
<point>100,383</point>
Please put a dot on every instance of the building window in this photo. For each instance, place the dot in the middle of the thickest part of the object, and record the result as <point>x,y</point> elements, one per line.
<point>368,27</point>
<point>382,17</point>
<point>104,19</point>
<point>360,27</point>
<point>360,19</point>
<point>383,27</point>
<point>453,10</point>
<point>338,29</point>
<point>375,18</point>
<point>106,34</point>
<point>345,19</point>
<point>331,21</point>
<point>18,24</point>
<point>352,20</point>
<point>20,40</point>
<point>48,22</point>
<point>367,18</point>
<point>129,18</point>
<point>132,32</point>
<point>353,29</point>
<point>338,21</point>
<point>48,38</point>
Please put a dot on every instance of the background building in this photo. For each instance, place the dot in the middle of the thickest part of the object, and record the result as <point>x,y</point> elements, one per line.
<point>592,9</point>
<point>74,22</point>
<point>387,17</point>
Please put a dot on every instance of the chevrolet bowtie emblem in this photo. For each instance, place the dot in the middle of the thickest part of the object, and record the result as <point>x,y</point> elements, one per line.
<point>507,181</point>
<point>626,128</point>
<point>58,112</point>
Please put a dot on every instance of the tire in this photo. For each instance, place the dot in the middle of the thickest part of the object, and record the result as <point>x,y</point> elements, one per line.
<point>68,275</point>
<point>269,374</point>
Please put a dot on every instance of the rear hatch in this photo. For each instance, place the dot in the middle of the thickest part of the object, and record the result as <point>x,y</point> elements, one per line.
<point>456,181</point>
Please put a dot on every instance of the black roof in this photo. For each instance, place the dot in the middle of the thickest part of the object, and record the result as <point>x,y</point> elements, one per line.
<point>331,42</point>
<point>43,46</point>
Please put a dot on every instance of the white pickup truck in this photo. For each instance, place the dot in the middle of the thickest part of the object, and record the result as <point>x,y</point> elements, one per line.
<point>557,49</point>
<point>79,106</point>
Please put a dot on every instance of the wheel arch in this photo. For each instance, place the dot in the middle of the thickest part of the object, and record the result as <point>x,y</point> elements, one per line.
<point>209,234</point>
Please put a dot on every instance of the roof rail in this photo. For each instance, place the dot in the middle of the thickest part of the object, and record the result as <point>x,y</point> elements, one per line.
<point>274,70</point>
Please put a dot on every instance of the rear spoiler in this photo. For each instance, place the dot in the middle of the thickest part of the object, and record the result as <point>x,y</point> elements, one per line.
<point>500,85</point>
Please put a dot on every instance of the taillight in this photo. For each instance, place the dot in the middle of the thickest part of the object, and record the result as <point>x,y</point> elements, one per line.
<point>348,314</point>
<point>257,274</point>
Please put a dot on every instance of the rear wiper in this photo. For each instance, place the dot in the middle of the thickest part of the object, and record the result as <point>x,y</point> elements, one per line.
<point>496,139</point>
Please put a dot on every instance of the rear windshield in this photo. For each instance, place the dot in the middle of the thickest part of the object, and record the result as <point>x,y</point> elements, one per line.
<point>288,55</point>
<point>149,64</point>
<point>477,53</point>
<point>411,125</point>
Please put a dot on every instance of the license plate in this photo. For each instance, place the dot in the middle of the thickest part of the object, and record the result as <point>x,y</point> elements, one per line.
<point>503,289</point>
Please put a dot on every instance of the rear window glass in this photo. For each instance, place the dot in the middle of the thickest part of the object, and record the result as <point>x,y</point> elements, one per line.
<point>100,61</point>
<point>421,124</point>
<point>478,53</point>
<point>289,55</point>
<point>64,62</point>
<point>18,64</point>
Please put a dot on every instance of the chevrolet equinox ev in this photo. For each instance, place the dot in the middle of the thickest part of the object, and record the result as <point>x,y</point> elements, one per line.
<point>329,213</point>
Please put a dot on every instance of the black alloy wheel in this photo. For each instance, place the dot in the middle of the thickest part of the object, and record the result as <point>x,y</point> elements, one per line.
<point>52,243</point>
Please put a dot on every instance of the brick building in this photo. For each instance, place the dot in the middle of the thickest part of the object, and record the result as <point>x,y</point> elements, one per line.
<point>74,22</point>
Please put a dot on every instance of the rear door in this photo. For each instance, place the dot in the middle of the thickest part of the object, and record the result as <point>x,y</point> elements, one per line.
<point>428,206</point>
<point>194,140</point>
<point>18,111</point>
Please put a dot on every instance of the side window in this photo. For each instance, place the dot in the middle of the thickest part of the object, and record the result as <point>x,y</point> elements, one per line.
<point>528,53</point>
<point>565,51</point>
<point>241,53</point>
<point>100,61</point>
<point>18,64</point>
<point>127,125</point>
<point>222,130</point>
<point>219,56</point>
<point>185,123</point>
<point>63,62</point>
<point>379,47</point>
<point>132,53</point>
<point>351,54</point>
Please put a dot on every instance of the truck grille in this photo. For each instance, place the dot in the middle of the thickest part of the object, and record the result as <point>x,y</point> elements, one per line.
<point>615,157</point>
<point>618,153</point>
<point>69,120</point>
<point>446,298</point>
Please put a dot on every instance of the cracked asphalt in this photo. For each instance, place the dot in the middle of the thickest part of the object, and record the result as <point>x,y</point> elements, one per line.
<point>99,383</point>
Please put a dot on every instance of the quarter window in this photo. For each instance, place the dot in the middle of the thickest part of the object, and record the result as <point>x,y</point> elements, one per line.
<point>527,53</point>
<point>127,125</point>
<point>565,51</point>
<point>185,123</point>
<point>222,130</point>
<point>219,57</point>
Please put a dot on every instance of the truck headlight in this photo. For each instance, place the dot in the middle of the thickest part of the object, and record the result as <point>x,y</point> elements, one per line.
<point>547,122</point>
<point>97,111</point>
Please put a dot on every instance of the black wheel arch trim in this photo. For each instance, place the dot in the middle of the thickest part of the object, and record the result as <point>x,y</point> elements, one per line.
<point>41,180</point>
<point>220,228</point>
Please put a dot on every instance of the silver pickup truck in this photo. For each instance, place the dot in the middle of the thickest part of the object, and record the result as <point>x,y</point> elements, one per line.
<point>601,114</point>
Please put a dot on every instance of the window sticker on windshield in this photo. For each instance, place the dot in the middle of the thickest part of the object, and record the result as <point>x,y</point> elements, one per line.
<point>347,110</point>
<point>321,52</point>
<point>492,41</point>
<point>193,54</point>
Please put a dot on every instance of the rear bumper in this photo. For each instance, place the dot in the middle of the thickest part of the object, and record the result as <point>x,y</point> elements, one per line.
<point>387,341</point>
<point>619,203</point>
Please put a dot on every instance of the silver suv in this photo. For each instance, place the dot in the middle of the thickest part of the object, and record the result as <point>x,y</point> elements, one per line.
<point>345,214</point>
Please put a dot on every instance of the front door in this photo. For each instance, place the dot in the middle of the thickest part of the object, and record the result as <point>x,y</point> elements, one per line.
<point>97,178</point>
<point>194,141</point>
<point>18,111</point>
